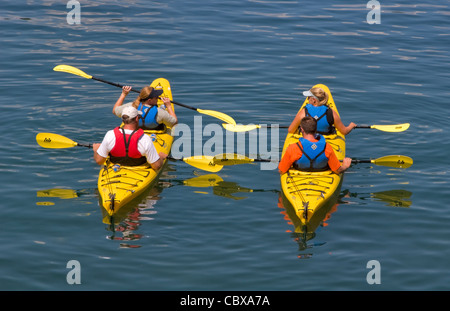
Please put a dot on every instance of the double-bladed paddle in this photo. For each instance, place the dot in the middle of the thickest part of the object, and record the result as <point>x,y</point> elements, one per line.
<point>250,127</point>
<point>398,161</point>
<point>78,72</point>
<point>217,162</point>
<point>56,141</point>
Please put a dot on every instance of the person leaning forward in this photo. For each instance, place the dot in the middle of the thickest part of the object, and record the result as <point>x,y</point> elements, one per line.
<point>147,103</point>
<point>311,153</point>
<point>128,145</point>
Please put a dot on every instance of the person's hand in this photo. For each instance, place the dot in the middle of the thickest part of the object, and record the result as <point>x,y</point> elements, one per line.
<point>126,89</point>
<point>166,101</point>
<point>95,146</point>
<point>346,163</point>
<point>162,155</point>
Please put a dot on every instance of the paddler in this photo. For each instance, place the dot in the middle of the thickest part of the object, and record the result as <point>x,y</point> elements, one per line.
<point>312,153</point>
<point>129,145</point>
<point>146,102</point>
<point>327,119</point>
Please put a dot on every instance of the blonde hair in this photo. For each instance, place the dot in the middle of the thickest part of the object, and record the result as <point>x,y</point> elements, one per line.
<point>320,94</point>
<point>143,94</point>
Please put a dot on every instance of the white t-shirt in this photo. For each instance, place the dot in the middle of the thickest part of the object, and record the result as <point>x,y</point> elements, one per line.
<point>145,146</point>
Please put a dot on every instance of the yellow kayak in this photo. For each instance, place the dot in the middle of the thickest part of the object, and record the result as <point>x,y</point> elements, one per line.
<point>307,192</point>
<point>118,187</point>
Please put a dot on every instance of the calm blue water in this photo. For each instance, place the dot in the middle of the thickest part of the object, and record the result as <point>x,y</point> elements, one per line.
<point>250,60</point>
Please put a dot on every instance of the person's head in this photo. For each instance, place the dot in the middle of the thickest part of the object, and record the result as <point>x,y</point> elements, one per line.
<point>147,96</point>
<point>130,115</point>
<point>308,125</point>
<point>316,96</point>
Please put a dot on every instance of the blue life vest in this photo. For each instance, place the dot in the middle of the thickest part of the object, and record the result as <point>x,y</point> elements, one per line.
<point>324,117</point>
<point>148,117</point>
<point>313,157</point>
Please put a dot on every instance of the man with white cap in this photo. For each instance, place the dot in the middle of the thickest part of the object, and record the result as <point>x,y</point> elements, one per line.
<point>128,145</point>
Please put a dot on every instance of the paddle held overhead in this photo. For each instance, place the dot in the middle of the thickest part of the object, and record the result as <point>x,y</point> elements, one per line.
<point>75,71</point>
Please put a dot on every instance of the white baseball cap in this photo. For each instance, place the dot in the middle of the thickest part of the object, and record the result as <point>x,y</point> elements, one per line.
<point>309,93</point>
<point>131,112</point>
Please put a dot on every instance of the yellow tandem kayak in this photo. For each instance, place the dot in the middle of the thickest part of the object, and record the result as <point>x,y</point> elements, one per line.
<point>307,192</point>
<point>118,187</point>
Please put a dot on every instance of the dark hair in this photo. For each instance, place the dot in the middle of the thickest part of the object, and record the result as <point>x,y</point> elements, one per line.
<point>309,125</point>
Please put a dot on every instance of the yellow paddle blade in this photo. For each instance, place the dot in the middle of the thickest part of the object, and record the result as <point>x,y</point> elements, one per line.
<point>54,141</point>
<point>57,193</point>
<point>72,70</point>
<point>391,128</point>
<point>240,127</point>
<point>219,115</point>
<point>397,198</point>
<point>205,163</point>
<point>397,161</point>
<point>231,159</point>
<point>209,180</point>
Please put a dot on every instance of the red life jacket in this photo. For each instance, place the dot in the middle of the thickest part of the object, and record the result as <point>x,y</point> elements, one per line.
<point>125,150</point>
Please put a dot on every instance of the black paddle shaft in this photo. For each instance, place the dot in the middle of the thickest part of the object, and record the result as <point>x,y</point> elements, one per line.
<point>111,83</point>
<point>356,161</point>
<point>136,91</point>
<point>84,145</point>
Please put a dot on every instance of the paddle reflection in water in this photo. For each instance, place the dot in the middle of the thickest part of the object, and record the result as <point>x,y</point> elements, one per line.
<point>397,198</point>
<point>123,224</point>
<point>221,188</point>
<point>302,234</point>
<point>64,194</point>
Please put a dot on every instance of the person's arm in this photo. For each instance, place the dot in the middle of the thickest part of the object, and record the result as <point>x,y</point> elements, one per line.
<point>291,155</point>
<point>345,165</point>
<point>119,102</point>
<point>169,108</point>
<point>293,128</point>
<point>98,158</point>
<point>147,149</point>
<point>334,163</point>
<point>101,151</point>
<point>160,162</point>
<point>168,117</point>
<point>340,125</point>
